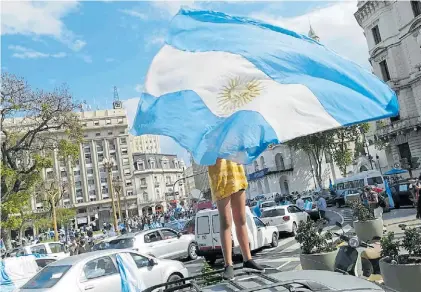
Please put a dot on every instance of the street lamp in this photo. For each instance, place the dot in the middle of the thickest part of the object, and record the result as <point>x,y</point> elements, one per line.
<point>117,184</point>
<point>108,164</point>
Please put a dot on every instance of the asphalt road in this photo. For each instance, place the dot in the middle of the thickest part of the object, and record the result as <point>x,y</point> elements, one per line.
<point>284,257</point>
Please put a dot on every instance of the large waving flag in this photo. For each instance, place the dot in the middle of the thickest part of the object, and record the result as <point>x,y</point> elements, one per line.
<point>227,87</point>
<point>129,274</point>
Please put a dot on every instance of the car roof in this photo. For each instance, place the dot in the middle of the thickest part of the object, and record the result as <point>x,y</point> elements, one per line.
<point>277,207</point>
<point>73,260</point>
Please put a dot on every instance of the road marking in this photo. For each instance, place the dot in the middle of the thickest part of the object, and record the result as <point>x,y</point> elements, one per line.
<point>283,265</point>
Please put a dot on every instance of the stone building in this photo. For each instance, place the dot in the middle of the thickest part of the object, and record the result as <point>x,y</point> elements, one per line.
<point>145,144</point>
<point>393,33</point>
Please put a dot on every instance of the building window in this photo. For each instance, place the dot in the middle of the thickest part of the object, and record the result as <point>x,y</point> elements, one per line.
<point>110,133</point>
<point>145,197</point>
<point>100,157</point>
<point>124,151</point>
<point>123,141</point>
<point>88,159</point>
<point>76,172</point>
<point>99,147</point>
<point>50,175</point>
<point>416,7</point>
<point>128,182</point>
<point>115,167</point>
<point>96,123</point>
<point>129,193</point>
<point>279,161</point>
<point>120,120</point>
<point>127,172</point>
<point>385,70</point>
<point>63,173</point>
<point>108,122</point>
<point>140,165</point>
<point>104,190</point>
<point>111,145</point>
<point>86,148</point>
<point>262,162</point>
<point>376,34</point>
<point>78,184</point>
<point>152,163</point>
<point>143,182</point>
<point>168,180</point>
<point>90,171</point>
<point>256,166</point>
<point>125,161</point>
<point>91,182</point>
<point>97,134</point>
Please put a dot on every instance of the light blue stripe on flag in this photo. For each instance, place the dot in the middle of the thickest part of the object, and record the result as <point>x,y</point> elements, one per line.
<point>227,87</point>
<point>129,274</point>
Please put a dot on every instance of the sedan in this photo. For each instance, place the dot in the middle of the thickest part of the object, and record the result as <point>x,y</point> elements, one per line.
<point>285,218</point>
<point>97,272</point>
<point>161,243</point>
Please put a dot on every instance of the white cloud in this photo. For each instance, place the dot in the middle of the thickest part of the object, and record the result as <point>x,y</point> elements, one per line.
<point>168,145</point>
<point>138,88</point>
<point>336,27</point>
<point>86,58</point>
<point>27,53</point>
<point>109,60</point>
<point>134,13</point>
<point>156,40</point>
<point>36,18</point>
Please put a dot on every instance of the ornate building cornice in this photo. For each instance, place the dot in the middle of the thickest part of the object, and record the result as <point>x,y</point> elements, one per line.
<point>367,8</point>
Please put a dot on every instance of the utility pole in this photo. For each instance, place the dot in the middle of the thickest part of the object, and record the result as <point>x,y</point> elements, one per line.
<point>108,164</point>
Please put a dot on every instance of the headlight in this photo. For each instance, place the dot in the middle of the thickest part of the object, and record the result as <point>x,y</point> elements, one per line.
<point>354,242</point>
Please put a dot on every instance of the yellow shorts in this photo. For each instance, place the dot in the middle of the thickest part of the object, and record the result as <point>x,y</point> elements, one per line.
<point>226,178</point>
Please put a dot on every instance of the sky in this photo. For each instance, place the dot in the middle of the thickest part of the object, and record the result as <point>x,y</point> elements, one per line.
<point>94,46</point>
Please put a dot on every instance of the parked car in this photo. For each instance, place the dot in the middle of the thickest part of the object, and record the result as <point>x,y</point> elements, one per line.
<point>209,240</point>
<point>52,249</point>
<point>103,244</point>
<point>163,243</point>
<point>189,227</point>
<point>284,218</point>
<point>97,272</point>
<point>402,194</point>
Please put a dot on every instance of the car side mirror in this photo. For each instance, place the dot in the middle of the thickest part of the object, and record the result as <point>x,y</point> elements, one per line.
<point>152,262</point>
<point>179,234</point>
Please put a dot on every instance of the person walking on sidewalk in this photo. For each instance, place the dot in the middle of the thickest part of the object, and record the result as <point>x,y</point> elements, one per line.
<point>322,206</point>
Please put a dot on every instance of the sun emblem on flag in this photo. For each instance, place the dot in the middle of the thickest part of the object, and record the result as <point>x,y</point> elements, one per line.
<point>237,93</point>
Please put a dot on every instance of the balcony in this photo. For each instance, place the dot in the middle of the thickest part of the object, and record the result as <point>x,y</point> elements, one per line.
<point>156,184</point>
<point>143,185</point>
<point>402,125</point>
<point>169,184</point>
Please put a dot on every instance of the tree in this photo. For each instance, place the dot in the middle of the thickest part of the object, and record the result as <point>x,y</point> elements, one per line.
<point>342,154</point>
<point>315,146</point>
<point>33,123</point>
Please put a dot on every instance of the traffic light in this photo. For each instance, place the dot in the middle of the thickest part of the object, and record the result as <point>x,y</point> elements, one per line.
<point>414,163</point>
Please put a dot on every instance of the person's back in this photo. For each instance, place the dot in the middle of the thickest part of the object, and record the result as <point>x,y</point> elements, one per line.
<point>300,203</point>
<point>321,204</point>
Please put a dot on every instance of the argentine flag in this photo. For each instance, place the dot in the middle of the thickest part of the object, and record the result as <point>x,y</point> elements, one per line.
<point>227,87</point>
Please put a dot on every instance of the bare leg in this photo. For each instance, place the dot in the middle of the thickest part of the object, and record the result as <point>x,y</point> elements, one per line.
<point>238,205</point>
<point>225,222</point>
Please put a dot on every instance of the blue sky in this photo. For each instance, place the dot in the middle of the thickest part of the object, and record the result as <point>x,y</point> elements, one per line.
<point>94,46</point>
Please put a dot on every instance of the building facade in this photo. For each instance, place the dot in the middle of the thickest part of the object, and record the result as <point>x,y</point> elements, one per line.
<point>283,170</point>
<point>85,181</point>
<point>145,144</point>
<point>158,181</point>
<point>393,33</point>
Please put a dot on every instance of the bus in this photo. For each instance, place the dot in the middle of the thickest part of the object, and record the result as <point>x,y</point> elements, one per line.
<point>359,180</point>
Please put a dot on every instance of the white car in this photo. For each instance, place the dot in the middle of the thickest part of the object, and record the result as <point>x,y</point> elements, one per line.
<point>285,218</point>
<point>160,243</point>
<point>208,237</point>
<point>52,249</point>
<point>98,272</point>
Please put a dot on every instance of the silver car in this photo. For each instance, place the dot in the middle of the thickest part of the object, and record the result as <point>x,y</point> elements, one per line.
<point>97,272</point>
<point>160,243</point>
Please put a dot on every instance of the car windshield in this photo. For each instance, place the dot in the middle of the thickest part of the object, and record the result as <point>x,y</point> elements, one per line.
<point>47,277</point>
<point>273,213</point>
<point>120,243</point>
<point>268,204</point>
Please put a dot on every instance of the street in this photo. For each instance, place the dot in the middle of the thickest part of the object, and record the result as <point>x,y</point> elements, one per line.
<point>286,256</point>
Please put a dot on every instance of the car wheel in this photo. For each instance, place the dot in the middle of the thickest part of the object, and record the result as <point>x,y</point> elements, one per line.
<point>174,277</point>
<point>192,251</point>
<point>274,242</point>
<point>210,260</point>
<point>294,229</point>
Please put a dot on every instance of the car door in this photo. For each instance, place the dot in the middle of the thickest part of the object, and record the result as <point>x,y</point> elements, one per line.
<point>100,275</point>
<point>173,245</point>
<point>57,249</point>
<point>149,274</point>
<point>154,243</point>
<point>300,214</point>
<point>261,229</point>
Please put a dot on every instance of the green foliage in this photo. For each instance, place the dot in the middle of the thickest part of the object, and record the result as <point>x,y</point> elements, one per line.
<point>44,221</point>
<point>209,279</point>
<point>411,242</point>
<point>390,246</point>
<point>311,239</point>
<point>361,212</point>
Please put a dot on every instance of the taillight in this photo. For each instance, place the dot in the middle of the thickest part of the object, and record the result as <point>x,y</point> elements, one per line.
<point>286,218</point>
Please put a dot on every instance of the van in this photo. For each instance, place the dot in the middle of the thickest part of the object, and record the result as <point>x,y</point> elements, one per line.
<point>209,241</point>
